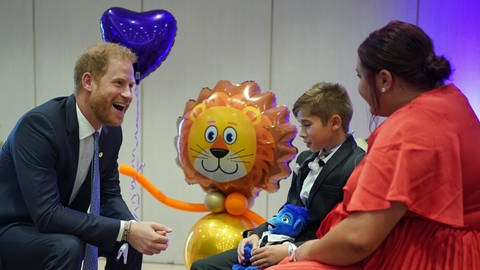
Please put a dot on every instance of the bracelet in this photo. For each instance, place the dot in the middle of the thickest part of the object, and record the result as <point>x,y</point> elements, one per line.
<point>291,250</point>
<point>126,230</point>
<point>292,257</point>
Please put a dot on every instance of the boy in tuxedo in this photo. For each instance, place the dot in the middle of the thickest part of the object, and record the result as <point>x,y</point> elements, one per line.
<point>324,113</point>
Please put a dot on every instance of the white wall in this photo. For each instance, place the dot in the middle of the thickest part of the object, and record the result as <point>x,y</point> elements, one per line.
<point>286,46</point>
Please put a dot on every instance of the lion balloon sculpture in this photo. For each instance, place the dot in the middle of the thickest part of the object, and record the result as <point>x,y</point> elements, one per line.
<point>234,141</point>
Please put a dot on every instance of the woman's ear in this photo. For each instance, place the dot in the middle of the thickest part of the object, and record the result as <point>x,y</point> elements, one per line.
<point>384,80</point>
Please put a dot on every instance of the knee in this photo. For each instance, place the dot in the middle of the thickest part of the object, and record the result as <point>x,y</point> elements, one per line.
<point>195,266</point>
<point>70,247</point>
<point>198,265</point>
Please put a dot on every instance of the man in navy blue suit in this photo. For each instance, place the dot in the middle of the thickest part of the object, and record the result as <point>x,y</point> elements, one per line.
<point>45,177</point>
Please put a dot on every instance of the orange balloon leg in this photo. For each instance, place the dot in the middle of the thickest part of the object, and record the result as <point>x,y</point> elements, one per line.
<point>254,217</point>
<point>181,205</point>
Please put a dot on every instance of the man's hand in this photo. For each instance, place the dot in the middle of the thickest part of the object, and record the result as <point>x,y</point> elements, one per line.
<point>148,237</point>
<point>241,246</point>
<point>268,255</point>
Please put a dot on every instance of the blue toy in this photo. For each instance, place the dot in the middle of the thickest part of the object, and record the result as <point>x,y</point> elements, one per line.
<point>284,226</point>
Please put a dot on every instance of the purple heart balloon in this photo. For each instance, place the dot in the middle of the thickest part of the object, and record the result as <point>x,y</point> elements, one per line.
<point>150,35</point>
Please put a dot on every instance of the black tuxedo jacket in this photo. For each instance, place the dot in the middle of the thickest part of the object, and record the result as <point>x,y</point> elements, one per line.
<point>38,165</point>
<point>327,190</point>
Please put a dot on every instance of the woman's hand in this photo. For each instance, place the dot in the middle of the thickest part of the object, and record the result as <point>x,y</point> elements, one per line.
<point>268,255</point>
<point>300,253</point>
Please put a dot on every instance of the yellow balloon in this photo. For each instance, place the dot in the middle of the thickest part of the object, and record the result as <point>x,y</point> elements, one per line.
<point>212,234</point>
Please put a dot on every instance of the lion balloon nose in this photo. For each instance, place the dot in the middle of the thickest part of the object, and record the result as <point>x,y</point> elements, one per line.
<point>218,152</point>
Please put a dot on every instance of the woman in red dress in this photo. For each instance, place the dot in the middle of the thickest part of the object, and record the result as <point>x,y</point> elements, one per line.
<point>414,200</point>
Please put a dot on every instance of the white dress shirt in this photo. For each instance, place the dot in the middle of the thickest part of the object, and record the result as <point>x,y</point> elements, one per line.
<point>315,170</point>
<point>85,153</point>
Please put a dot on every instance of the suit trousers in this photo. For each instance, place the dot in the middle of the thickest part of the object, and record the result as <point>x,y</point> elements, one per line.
<point>221,261</point>
<point>24,247</point>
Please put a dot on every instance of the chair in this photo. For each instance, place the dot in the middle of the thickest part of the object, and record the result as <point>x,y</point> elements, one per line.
<point>362,143</point>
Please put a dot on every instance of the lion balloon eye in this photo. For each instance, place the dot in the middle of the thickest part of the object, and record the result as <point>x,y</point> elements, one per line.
<point>211,134</point>
<point>229,135</point>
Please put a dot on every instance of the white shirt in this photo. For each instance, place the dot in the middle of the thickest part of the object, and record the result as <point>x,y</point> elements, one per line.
<point>85,153</point>
<point>274,238</point>
<point>315,170</point>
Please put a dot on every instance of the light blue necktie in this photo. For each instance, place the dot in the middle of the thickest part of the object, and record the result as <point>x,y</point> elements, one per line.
<point>91,251</point>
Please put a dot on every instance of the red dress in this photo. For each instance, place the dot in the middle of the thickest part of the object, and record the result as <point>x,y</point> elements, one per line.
<point>426,155</point>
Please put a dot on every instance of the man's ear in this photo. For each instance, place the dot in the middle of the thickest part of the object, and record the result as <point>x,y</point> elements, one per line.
<point>87,81</point>
<point>335,122</point>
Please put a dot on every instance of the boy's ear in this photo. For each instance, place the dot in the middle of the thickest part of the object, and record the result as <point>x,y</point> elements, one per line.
<point>335,122</point>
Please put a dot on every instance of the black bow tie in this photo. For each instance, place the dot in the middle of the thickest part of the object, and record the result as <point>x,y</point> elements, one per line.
<point>315,166</point>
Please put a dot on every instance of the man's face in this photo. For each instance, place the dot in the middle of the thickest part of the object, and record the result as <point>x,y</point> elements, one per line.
<point>315,134</point>
<point>111,94</point>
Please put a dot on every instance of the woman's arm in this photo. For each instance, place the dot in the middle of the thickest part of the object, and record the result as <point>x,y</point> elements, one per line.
<point>354,238</point>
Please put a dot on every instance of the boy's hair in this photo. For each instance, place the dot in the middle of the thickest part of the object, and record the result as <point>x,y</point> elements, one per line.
<point>95,59</point>
<point>324,100</point>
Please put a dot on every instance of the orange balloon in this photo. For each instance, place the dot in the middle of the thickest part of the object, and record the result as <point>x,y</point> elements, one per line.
<point>236,203</point>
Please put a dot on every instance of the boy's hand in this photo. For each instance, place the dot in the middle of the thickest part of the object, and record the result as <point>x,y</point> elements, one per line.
<point>254,239</point>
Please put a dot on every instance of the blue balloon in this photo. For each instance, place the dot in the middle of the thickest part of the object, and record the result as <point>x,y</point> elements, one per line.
<point>150,35</point>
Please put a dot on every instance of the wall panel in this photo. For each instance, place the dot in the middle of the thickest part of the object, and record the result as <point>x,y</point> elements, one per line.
<point>16,56</point>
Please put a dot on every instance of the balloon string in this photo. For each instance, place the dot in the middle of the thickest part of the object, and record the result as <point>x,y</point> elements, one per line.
<point>135,198</point>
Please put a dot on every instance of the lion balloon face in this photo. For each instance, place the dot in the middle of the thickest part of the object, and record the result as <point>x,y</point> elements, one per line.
<point>227,149</point>
<point>235,138</point>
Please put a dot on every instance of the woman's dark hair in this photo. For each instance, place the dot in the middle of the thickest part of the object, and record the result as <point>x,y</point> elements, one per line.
<point>406,51</point>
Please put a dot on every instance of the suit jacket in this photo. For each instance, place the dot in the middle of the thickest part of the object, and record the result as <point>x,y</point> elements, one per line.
<point>327,190</point>
<point>38,165</point>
